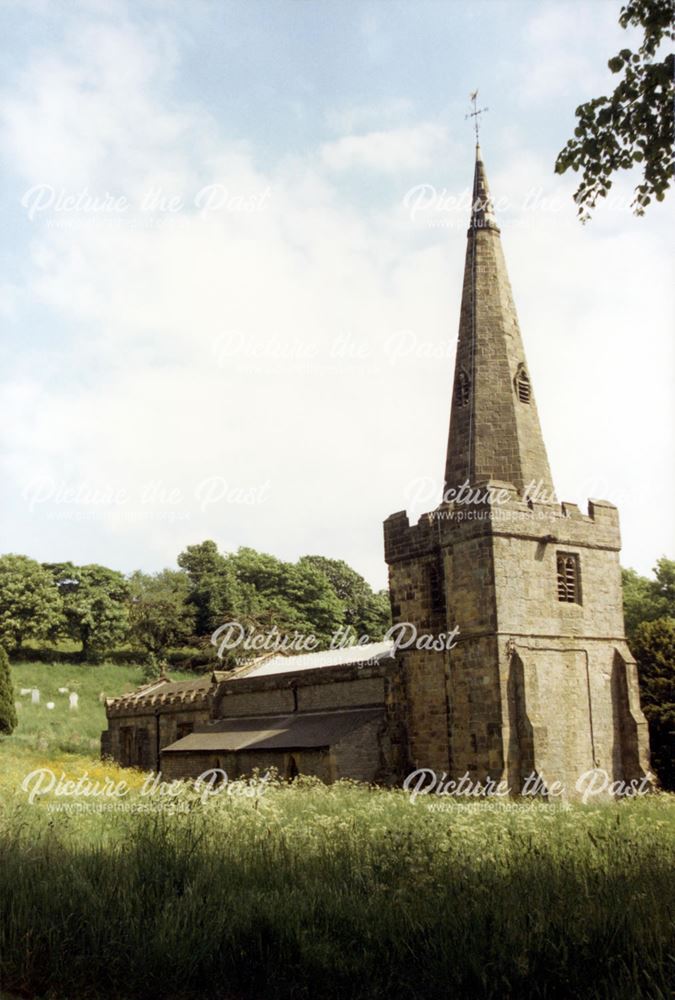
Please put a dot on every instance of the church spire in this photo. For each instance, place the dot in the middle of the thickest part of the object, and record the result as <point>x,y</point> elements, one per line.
<point>494,425</point>
<point>482,211</point>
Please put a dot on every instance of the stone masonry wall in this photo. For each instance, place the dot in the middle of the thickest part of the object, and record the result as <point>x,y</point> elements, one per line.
<point>534,683</point>
<point>144,747</point>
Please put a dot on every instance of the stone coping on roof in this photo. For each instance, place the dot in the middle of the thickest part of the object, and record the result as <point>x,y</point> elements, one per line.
<point>164,692</point>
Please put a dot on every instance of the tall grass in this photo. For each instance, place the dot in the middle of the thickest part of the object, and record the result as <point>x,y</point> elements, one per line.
<point>338,892</point>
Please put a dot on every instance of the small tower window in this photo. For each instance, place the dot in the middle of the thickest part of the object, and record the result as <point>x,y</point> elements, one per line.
<point>523,387</point>
<point>569,579</point>
<point>463,388</point>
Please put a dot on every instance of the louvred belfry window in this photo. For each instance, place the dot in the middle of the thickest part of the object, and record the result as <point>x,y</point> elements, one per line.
<point>463,388</point>
<point>523,387</point>
<point>569,583</point>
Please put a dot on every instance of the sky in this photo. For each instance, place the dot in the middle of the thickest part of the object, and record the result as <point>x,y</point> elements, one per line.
<point>232,239</point>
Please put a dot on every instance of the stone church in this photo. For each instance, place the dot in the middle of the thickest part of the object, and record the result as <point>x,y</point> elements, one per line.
<point>539,678</point>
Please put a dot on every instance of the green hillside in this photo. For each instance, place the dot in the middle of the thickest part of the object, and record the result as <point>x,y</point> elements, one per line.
<point>62,729</point>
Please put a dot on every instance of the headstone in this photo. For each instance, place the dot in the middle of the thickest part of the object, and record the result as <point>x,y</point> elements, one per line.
<point>35,696</point>
<point>73,699</point>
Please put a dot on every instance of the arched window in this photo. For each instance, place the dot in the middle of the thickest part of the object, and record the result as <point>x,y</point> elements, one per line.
<point>523,387</point>
<point>569,581</point>
<point>463,388</point>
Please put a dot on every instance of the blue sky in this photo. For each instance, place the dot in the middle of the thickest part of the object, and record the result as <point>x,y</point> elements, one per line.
<point>272,367</point>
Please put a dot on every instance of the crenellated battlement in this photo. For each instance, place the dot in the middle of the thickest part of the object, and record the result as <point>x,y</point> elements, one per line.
<point>449,524</point>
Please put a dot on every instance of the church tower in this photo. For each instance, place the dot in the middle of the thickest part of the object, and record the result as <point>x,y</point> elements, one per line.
<point>540,678</point>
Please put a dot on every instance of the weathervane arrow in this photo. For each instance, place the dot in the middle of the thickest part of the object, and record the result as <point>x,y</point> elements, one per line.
<point>476,113</point>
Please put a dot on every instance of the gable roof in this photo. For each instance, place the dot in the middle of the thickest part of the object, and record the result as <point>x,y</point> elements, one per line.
<point>198,691</point>
<point>281,664</point>
<point>282,732</point>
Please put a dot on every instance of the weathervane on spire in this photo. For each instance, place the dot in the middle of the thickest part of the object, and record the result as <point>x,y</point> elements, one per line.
<point>476,113</point>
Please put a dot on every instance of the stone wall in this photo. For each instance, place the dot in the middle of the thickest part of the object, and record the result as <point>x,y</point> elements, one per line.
<point>534,683</point>
<point>134,739</point>
<point>359,756</point>
<point>571,707</point>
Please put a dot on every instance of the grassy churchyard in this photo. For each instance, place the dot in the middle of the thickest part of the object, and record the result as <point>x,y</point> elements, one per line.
<point>302,891</point>
<point>51,725</point>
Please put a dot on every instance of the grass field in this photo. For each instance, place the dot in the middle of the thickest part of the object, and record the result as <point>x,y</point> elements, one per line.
<point>60,729</point>
<point>306,891</point>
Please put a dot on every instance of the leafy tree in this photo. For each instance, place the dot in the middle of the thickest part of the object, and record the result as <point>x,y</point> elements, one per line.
<point>151,668</point>
<point>654,650</point>
<point>159,613</point>
<point>647,600</point>
<point>367,612</point>
<point>634,126</point>
<point>8,718</point>
<point>312,594</point>
<point>95,606</point>
<point>201,560</point>
<point>664,584</point>
<point>295,596</point>
<point>29,601</point>
<point>213,589</point>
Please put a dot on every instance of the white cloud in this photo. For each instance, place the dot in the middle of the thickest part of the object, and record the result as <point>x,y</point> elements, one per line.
<point>142,393</point>
<point>387,151</point>
<point>567,44</point>
<point>88,114</point>
<point>355,117</point>
<point>306,345</point>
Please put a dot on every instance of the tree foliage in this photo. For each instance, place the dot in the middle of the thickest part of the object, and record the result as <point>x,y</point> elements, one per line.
<point>634,125</point>
<point>159,613</point>
<point>213,591</point>
<point>654,649</point>
<point>102,609</point>
<point>152,669</point>
<point>367,612</point>
<point>313,595</point>
<point>8,718</point>
<point>644,599</point>
<point>29,600</point>
<point>292,596</point>
<point>94,606</point>
<point>260,591</point>
<point>649,610</point>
